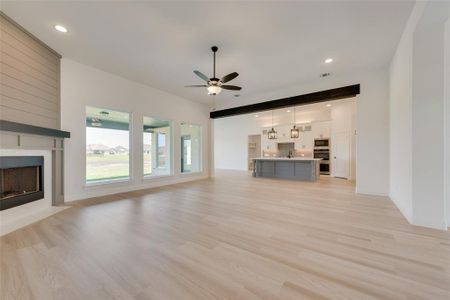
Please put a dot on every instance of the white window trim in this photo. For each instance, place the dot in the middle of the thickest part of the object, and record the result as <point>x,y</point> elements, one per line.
<point>191,173</point>
<point>130,151</point>
<point>106,182</point>
<point>151,177</point>
<point>200,148</point>
<point>171,160</point>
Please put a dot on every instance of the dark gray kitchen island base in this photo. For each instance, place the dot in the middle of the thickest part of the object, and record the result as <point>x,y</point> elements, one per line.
<point>287,168</point>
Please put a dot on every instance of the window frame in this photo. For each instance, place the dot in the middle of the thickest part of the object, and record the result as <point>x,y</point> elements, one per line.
<point>130,151</point>
<point>171,141</point>
<point>200,152</point>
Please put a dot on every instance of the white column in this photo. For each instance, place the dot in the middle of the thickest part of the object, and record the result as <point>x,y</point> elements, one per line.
<point>428,117</point>
<point>447,119</point>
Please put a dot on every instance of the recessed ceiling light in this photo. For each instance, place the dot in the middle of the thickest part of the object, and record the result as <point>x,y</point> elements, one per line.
<point>61,28</point>
<point>328,60</point>
<point>256,116</point>
<point>328,105</point>
<point>288,111</point>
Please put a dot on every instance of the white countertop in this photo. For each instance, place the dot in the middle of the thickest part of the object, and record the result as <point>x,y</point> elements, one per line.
<point>288,159</point>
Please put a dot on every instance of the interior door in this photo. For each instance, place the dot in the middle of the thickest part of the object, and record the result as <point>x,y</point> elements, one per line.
<point>341,155</point>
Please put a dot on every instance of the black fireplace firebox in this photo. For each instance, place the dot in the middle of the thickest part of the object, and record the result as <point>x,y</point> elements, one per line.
<point>21,180</point>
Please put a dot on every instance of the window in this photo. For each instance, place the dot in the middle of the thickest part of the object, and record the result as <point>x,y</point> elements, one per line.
<point>157,147</point>
<point>190,148</point>
<point>107,145</point>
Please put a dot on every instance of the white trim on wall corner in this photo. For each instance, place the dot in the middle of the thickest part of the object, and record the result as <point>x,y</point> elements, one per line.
<point>403,210</point>
<point>447,121</point>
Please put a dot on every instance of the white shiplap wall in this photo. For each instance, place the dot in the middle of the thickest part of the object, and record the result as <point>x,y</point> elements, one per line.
<point>29,78</point>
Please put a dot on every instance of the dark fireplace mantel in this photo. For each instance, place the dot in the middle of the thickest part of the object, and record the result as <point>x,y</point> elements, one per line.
<point>30,129</point>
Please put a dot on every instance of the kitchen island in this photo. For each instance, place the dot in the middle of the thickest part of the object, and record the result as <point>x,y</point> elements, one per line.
<point>296,168</point>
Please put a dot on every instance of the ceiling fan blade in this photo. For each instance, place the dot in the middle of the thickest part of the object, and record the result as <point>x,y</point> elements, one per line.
<point>196,85</point>
<point>231,87</point>
<point>229,77</point>
<point>201,75</point>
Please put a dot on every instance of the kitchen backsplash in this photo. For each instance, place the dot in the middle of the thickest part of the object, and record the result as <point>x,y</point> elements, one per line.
<point>297,153</point>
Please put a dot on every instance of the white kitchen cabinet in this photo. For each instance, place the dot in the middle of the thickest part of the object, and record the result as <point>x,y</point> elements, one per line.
<point>269,145</point>
<point>305,141</point>
<point>284,133</point>
<point>308,140</point>
<point>321,130</point>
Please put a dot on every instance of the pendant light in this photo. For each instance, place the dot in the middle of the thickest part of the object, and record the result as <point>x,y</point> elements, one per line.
<point>272,134</point>
<point>295,133</point>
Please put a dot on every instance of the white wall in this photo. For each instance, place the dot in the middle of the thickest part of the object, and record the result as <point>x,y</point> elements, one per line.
<point>400,83</point>
<point>428,116</point>
<point>82,85</point>
<point>372,161</point>
<point>231,140</point>
<point>417,102</point>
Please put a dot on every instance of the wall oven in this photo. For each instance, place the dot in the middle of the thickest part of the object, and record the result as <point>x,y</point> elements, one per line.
<point>324,154</point>
<point>322,150</point>
<point>325,168</point>
<point>321,143</point>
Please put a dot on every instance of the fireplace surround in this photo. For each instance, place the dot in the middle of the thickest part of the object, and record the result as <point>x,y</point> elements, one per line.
<point>21,180</point>
<point>31,141</point>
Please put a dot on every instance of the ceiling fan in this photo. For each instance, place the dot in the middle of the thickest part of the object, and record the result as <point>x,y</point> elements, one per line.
<point>215,85</point>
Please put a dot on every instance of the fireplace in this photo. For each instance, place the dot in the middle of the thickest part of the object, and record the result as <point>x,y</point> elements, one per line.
<point>21,180</point>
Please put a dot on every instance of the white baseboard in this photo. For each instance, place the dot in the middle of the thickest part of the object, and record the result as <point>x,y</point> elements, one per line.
<point>435,224</point>
<point>370,193</point>
<point>100,190</point>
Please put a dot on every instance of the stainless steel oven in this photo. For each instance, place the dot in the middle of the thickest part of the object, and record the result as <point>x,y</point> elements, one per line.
<point>322,150</point>
<point>322,143</point>
<point>324,154</point>
<point>325,168</point>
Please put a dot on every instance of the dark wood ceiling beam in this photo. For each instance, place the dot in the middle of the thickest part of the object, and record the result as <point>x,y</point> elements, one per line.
<point>316,97</point>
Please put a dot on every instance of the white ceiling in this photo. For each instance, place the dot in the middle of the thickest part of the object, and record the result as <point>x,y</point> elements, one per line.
<point>270,44</point>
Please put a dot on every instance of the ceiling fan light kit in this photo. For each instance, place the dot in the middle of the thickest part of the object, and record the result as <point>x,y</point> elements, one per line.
<point>215,85</point>
<point>214,89</point>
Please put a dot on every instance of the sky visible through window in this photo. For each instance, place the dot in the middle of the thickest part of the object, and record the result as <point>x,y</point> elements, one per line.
<point>107,137</point>
<point>161,140</point>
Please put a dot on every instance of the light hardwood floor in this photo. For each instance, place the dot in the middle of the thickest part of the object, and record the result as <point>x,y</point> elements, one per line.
<point>235,237</point>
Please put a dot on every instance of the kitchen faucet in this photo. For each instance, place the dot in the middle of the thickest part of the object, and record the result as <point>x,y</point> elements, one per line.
<point>290,154</point>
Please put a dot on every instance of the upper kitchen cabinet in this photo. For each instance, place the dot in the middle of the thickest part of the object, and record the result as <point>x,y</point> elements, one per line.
<point>305,141</point>
<point>283,133</point>
<point>321,129</point>
<point>269,145</point>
